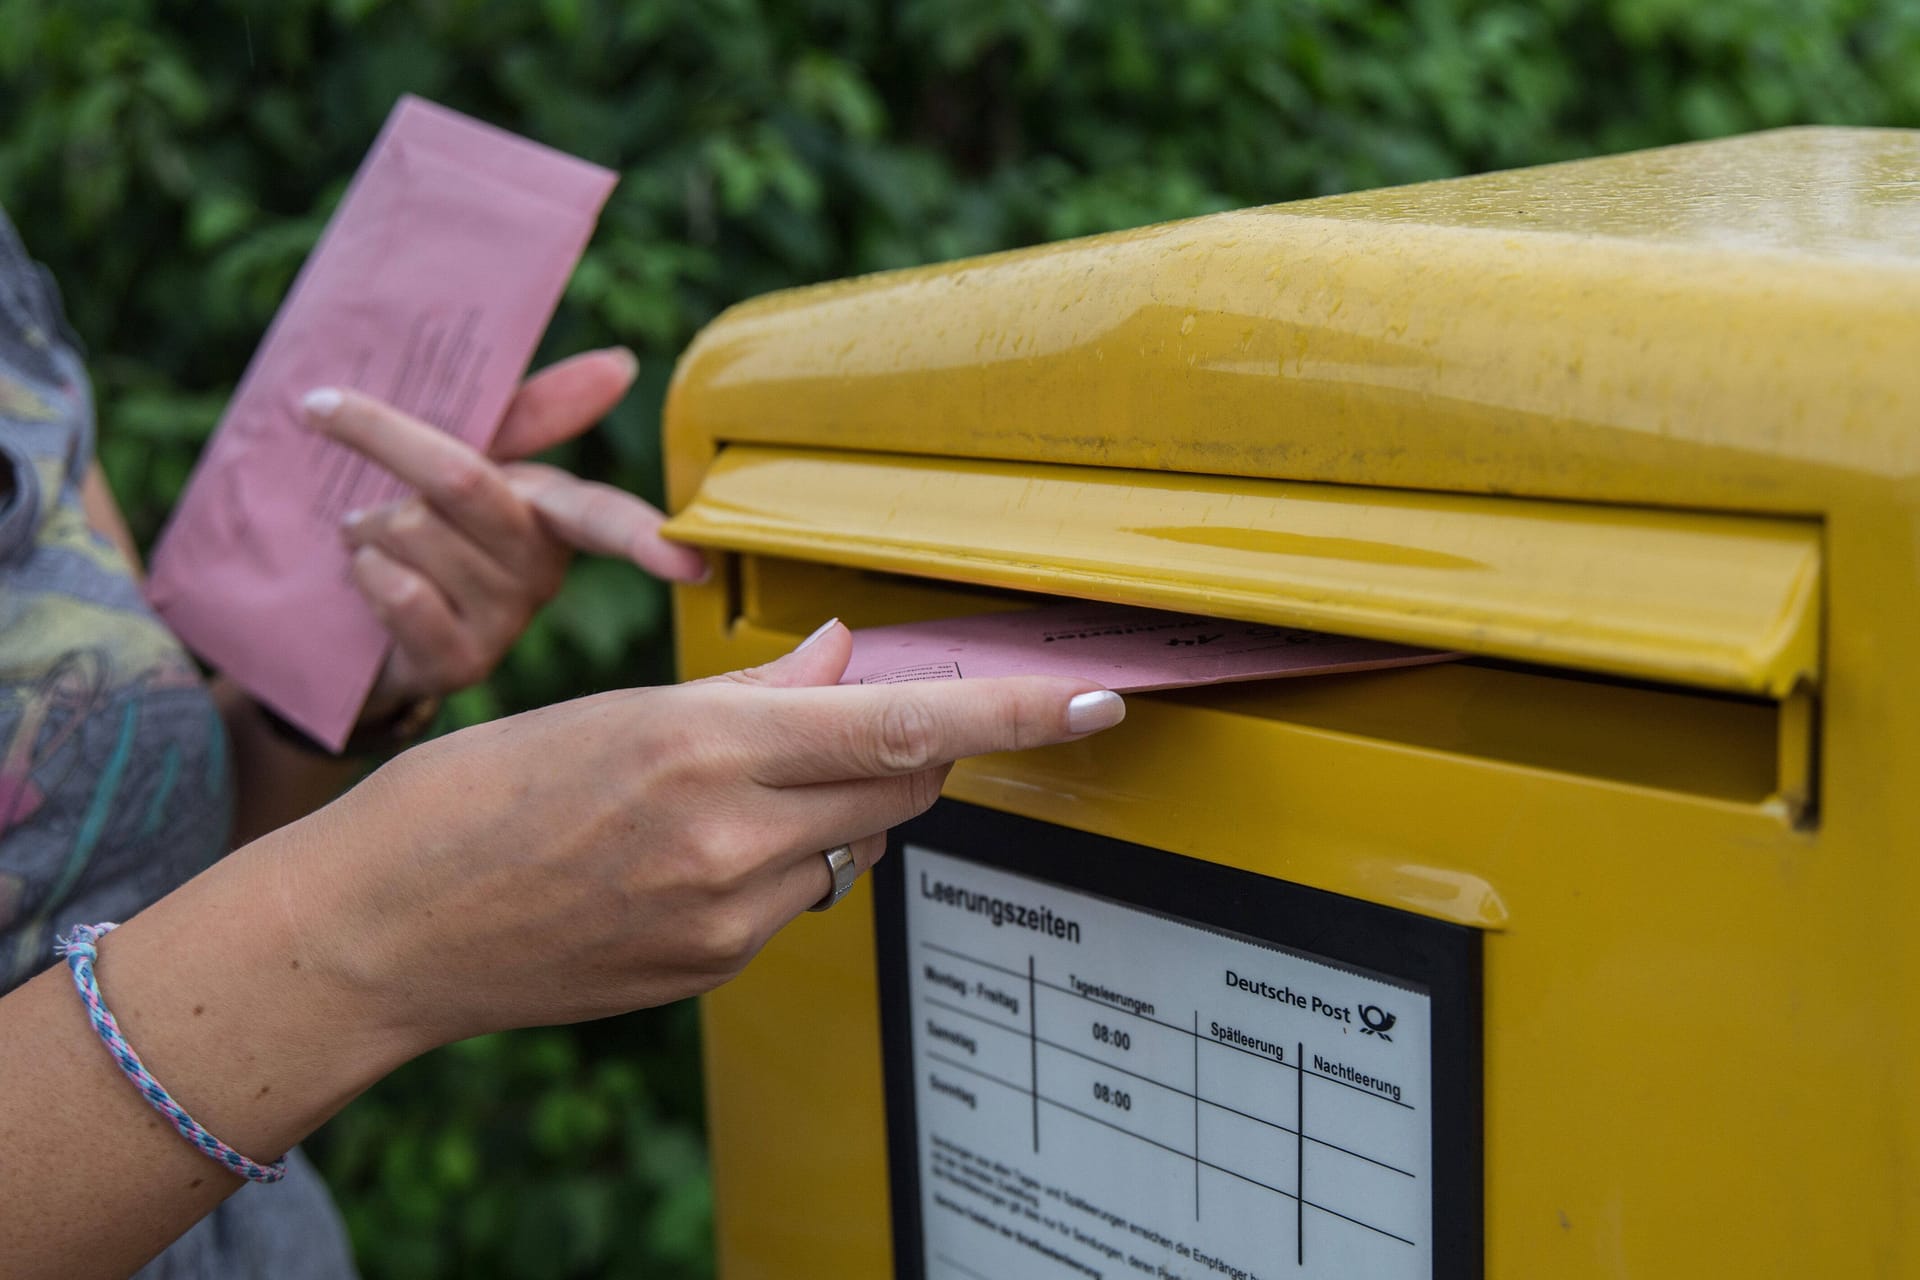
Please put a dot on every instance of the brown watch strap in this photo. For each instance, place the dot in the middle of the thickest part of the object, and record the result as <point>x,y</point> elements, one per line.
<point>394,733</point>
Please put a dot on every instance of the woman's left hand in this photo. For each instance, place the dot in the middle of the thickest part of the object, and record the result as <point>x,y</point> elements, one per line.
<point>458,570</point>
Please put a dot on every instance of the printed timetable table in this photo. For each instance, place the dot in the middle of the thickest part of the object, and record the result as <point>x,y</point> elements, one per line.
<point>1101,1090</point>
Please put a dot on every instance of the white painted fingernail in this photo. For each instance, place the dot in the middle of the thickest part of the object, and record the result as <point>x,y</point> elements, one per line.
<point>818,631</point>
<point>1090,712</point>
<point>352,518</point>
<point>321,402</point>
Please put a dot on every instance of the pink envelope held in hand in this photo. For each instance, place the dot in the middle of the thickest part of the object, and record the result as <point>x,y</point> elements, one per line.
<point>429,289</point>
<point>1125,649</point>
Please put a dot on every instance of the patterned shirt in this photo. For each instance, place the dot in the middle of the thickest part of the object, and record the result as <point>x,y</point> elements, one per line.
<point>115,784</point>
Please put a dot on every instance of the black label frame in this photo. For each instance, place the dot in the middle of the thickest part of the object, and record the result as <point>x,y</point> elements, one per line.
<point>1440,958</point>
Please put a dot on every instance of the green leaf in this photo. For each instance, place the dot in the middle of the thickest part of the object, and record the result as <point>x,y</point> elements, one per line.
<point>606,608</point>
<point>216,218</point>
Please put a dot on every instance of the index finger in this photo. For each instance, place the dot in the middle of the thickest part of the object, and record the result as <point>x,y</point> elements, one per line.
<point>843,732</point>
<point>454,478</point>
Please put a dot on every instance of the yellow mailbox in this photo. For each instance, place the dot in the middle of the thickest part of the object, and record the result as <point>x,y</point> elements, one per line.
<point>1590,955</point>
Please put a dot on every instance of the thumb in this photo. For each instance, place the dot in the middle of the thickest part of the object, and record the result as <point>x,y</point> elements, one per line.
<point>820,659</point>
<point>602,520</point>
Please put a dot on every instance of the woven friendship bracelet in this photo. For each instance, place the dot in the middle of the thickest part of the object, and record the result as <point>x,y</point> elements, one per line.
<point>80,949</point>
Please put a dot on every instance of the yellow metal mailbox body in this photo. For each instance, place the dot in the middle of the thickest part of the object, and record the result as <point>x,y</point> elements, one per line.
<point>1641,434</point>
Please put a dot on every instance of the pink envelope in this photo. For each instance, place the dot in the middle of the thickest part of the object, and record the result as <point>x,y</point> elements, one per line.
<point>429,289</point>
<point>1125,649</point>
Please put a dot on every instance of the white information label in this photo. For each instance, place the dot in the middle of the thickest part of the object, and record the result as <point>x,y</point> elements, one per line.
<point>1107,1092</point>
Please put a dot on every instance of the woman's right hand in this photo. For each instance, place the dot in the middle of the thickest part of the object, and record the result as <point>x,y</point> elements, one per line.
<point>636,847</point>
<point>582,860</point>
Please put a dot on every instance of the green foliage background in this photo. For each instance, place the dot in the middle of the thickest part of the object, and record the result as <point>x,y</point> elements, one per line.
<point>173,163</point>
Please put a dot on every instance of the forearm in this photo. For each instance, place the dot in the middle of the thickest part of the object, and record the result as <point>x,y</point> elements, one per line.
<point>275,781</point>
<point>218,989</point>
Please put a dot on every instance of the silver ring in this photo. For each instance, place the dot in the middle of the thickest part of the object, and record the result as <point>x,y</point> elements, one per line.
<point>840,867</point>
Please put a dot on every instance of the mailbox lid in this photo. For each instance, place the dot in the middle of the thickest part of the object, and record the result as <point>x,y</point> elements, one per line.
<point>1712,601</point>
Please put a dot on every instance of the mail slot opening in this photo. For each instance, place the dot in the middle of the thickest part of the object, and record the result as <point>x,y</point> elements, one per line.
<point>1732,748</point>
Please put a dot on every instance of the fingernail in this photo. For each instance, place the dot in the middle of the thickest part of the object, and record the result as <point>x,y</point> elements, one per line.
<point>352,518</point>
<point>631,360</point>
<point>818,631</point>
<point>706,576</point>
<point>1090,712</point>
<point>321,402</point>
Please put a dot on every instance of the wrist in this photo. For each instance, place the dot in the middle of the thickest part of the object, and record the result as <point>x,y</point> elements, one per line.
<point>343,889</point>
<point>227,995</point>
<point>384,728</point>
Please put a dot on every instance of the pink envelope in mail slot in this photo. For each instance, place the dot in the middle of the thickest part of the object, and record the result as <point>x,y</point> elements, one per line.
<point>1126,649</point>
<point>429,289</point>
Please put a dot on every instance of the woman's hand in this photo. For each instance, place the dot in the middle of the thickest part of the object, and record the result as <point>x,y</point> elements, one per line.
<point>637,847</point>
<point>458,570</point>
<point>578,861</point>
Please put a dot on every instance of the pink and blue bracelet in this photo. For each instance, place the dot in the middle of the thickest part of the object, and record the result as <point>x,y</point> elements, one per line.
<point>80,947</point>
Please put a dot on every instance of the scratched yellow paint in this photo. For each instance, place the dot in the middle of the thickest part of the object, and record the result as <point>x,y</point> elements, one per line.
<point>1654,416</point>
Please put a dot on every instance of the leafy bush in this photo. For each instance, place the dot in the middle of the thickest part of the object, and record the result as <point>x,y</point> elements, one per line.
<point>174,162</point>
<point>541,1154</point>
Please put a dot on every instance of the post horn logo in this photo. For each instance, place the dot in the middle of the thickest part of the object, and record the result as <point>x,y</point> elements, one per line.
<point>1378,1021</point>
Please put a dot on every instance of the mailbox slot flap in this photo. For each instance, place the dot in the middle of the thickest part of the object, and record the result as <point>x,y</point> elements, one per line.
<point>1714,601</point>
